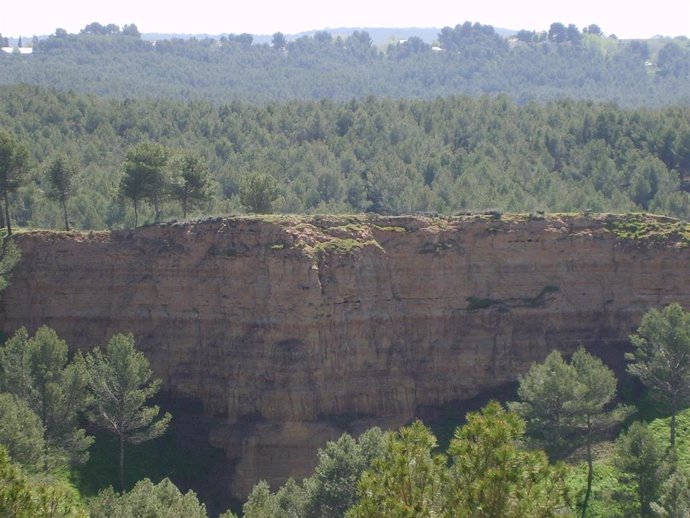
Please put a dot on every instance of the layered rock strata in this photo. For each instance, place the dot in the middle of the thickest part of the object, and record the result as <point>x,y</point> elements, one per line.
<point>290,330</point>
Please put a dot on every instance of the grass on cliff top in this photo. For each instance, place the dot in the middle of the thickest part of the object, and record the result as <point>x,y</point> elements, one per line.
<point>633,226</point>
<point>372,220</point>
<point>339,246</point>
<point>650,228</point>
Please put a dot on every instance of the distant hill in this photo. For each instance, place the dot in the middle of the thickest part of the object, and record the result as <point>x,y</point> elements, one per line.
<point>379,35</point>
<point>382,35</point>
<point>468,59</point>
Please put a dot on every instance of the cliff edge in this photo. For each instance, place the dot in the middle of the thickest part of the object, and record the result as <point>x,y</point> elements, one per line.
<point>291,330</point>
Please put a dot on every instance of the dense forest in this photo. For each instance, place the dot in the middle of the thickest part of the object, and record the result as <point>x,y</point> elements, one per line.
<point>380,155</point>
<point>468,59</point>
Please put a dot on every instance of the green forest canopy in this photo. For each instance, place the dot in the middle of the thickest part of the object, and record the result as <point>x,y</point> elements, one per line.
<point>379,155</point>
<point>468,59</point>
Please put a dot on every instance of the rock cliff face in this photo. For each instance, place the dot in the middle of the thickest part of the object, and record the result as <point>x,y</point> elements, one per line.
<point>291,330</point>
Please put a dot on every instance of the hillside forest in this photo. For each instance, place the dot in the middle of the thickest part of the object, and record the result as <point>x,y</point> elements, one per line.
<point>474,121</point>
<point>444,156</point>
<point>559,62</point>
<point>107,130</point>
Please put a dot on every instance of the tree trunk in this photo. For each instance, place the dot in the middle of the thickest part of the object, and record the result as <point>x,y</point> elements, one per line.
<point>673,429</point>
<point>590,477</point>
<point>46,452</point>
<point>2,218</point>
<point>673,425</point>
<point>64,211</point>
<point>7,213</point>
<point>644,505</point>
<point>136,213</point>
<point>157,209</point>
<point>122,463</point>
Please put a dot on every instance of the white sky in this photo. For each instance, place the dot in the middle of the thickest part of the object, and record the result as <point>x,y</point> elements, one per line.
<point>625,18</point>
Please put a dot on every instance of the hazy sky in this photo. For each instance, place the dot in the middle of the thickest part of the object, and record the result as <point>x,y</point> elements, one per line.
<point>625,18</point>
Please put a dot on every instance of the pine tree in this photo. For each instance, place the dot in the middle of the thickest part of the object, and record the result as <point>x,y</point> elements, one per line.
<point>122,382</point>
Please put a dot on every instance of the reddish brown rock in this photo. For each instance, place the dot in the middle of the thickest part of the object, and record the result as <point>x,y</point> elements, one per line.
<point>289,329</point>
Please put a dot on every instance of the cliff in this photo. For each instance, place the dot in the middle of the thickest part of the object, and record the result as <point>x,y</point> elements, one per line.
<point>290,330</point>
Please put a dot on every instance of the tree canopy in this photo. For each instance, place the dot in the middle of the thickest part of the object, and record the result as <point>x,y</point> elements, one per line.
<point>122,383</point>
<point>13,168</point>
<point>21,431</point>
<point>37,370</point>
<point>191,184</point>
<point>35,496</point>
<point>145,176</point>
<point>60,176</point>
<point>257,192</point>
<point>489,474</point>
<point>448,155</point>
<point>661,358</point>
<point>640,458</point>
<point>162,500</point>
<point>568,405</point>
<point>464,59</point>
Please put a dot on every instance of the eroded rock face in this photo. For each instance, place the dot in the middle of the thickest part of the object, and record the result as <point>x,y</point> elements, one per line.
<point>291,330</point>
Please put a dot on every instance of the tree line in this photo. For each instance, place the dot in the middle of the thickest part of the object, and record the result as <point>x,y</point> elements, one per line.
<point>467,59</point>
<point>81,158</point>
